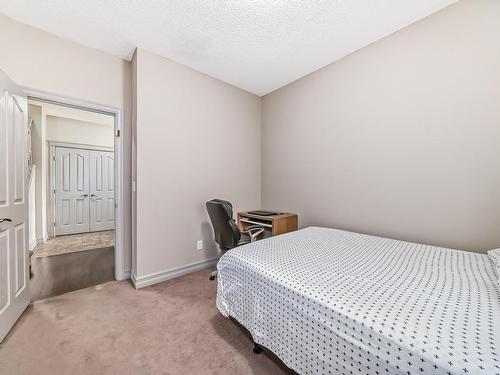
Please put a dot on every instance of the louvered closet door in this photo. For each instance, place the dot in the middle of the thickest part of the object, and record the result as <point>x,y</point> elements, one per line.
<point>72,191</point>
<point>102,191</point>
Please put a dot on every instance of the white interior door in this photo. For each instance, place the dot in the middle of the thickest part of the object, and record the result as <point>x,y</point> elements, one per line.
<point>102,191</point>
<point>14,258</point>
<point>71,191</point>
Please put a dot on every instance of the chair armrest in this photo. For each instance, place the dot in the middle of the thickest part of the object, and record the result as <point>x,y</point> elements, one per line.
<point>253,231</point>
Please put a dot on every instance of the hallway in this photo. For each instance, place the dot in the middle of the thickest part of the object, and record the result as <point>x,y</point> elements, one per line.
<point>68,263</point>
<point>63,273</point>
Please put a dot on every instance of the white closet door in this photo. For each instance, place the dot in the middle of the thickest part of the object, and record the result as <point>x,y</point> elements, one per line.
<point>102,191</point>
<point>72,190</point>
<point>14,259</point>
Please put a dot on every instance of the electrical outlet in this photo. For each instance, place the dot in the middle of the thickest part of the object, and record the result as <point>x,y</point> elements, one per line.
<point>199,245</point>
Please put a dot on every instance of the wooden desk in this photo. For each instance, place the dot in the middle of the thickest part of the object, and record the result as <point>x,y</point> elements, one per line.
<point>274,225</point>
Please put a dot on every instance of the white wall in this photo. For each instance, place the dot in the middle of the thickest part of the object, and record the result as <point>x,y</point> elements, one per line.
<point>399,139</point>
<point>38,141</point>
<point>44,62</point>
<point>61,129</point>
<point>197,139</point>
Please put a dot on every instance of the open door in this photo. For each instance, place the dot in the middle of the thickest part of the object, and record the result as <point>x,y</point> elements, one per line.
<point>14,258</point>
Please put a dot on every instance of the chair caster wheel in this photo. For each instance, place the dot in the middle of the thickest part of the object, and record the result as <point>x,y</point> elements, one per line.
<point>257,349</point>
<point>212,277</point>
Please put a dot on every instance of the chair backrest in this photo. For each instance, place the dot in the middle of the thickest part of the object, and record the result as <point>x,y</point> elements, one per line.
<point>226,230</point>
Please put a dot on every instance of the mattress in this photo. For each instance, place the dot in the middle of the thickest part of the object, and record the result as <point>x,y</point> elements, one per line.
<point>328,301</point>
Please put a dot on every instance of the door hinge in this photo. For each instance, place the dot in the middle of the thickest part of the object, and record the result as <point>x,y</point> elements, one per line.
<point>117,133</point>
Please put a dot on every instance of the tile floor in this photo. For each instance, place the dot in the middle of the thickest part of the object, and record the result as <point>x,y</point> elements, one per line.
<point>75,242</point>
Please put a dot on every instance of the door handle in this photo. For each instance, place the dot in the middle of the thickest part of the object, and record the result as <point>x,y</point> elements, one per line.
<point>85,195</point>
<point>1,221</point>
<point>93,195</point>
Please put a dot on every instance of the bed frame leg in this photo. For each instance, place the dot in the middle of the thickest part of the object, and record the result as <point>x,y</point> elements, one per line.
<point>257,349</point>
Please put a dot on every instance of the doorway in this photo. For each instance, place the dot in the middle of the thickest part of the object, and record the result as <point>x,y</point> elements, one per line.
<point>72,206</point>
<point>21,161</point>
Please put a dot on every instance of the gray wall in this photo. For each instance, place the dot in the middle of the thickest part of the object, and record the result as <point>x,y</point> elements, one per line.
<point>197,138</point>
<point>399,139</point>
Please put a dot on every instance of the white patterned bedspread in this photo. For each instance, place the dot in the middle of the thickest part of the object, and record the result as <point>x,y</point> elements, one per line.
<point>327,301</point>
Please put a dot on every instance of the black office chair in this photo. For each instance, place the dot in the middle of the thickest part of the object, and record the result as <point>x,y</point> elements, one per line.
<point>226,231</point>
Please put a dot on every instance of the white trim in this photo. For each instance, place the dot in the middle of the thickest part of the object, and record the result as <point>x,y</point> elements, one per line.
<point>40,241</point>
<point>158,277</point>
<point>80,146</point>
<point>120,272</point>
<point>51,201</point>
<point>33,245</point>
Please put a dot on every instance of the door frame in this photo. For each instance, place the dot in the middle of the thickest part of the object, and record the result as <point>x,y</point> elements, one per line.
<point>51,204</point>
<point>120,272</point>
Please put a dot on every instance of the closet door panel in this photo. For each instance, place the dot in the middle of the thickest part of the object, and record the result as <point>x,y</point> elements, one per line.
<point>72,191</point>
<point>102,191</point>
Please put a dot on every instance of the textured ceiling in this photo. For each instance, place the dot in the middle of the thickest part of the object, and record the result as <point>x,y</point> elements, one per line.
<point>257,45</point>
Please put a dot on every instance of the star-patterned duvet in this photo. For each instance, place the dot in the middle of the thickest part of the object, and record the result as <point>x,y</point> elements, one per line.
<point>327,301</point>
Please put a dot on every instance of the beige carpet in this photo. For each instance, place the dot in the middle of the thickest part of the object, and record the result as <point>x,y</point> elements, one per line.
<point>169,328</point>
<point>75,242</point>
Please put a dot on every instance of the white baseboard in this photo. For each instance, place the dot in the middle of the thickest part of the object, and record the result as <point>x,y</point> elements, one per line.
<point>133,280</point>
<point>123,275</point>
<point>155,278</point>
<point>36,242</point>
<point>33,244</point>
<point>41,240</point>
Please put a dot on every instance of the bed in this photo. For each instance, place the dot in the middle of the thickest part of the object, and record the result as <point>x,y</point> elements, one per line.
<point>328,301</point>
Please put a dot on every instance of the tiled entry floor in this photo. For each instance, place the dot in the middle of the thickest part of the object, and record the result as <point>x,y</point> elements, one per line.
<point>75,242</point>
